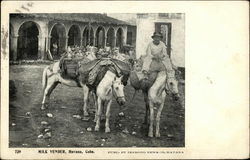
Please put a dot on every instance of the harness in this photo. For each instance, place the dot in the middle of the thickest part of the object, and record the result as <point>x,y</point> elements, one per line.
<point>114,69</point>
<point>169,77</point>
<point>101,73</point>
<point>115,95</point>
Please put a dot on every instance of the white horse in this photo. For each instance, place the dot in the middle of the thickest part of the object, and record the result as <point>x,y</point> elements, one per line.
<point>154,97</point>
<point>110,86</point>
<point>52,77</point>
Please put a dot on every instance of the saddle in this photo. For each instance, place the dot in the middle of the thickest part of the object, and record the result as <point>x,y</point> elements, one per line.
<point>144,84</point>
<point>69,67</point>
<point>92,72</point>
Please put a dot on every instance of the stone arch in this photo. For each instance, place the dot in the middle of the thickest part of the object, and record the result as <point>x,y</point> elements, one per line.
<point>28,41</point>
<point>119,38</point>
<point>74,36</point>
<point>57,40</point>
<point>88,36</point>
<point>100,37</point>
<point>110,37</point>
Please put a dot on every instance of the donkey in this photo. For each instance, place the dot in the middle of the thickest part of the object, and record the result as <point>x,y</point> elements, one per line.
<point>155,90</point>
<point>52,77</point>
<point>111,85</point>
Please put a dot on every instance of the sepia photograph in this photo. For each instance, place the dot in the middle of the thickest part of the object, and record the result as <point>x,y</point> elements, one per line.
<point>97,80</point>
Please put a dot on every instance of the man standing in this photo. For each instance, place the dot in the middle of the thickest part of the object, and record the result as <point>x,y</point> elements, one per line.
<point>54,49</point>
<point>156,50</point>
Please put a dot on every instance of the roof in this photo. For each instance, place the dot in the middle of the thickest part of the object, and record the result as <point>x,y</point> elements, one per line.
<point>79,17</point>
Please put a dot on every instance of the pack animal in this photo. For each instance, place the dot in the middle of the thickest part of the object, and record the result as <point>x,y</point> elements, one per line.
<point>52,76</point>
<point>110,86</point>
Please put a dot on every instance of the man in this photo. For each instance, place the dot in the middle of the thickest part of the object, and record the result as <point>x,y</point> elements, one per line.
<point>155,50</point>
<point>54,49</point>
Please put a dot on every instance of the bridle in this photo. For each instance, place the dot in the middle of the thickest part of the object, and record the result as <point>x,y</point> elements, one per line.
<point>115,95</point>
<point>113,70</point>
<point>170,77</point>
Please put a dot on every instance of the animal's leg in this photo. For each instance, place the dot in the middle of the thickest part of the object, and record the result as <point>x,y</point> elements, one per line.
<point>147,108</point>
<point>85,100</point>
<point>44,99</point>
<point>151,124</point>
<point>48,90</point>
<point>107,129</point>
<point>95,105</point>
<point>158,116</point>
<point>52,88</point>
<point>103,111</point>
<point>98,114</point>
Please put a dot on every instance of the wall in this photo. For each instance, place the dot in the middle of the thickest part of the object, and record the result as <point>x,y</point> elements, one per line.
<point>146,28</point>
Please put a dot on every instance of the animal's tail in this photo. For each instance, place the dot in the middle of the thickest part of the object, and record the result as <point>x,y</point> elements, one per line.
<point>44,79</point>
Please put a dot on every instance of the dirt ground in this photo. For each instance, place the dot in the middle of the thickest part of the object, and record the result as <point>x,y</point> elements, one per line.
<point>27,126</point>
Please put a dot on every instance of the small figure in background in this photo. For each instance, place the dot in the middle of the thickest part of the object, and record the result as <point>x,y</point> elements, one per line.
<point>54,48</point>
<point>69,52</point>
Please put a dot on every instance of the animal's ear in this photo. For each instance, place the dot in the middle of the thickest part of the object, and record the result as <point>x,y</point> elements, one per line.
<point>121,77</point>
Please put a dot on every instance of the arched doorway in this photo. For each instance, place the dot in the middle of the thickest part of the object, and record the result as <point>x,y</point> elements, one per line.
<point>110,37</point>
<point>119,38</point>
<point>88,37</point>
<point>57,41</point>
<point>100,37</point>
<point>74,36</point>
<point>27,47</point>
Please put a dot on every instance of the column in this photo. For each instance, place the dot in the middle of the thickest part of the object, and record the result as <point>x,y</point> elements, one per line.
<point>14,42</point>
<point>125,33</point>
<point>47,51</point>
<point>48,41</point>
<point>81,40</point>
<point>114,41</point>
<point>94,40</point>
<point>88,37</point>
<point>66,42</point>
<point>123,42</point>
<point>94,35</point>
<point>105,40</point>
<point>41,47</point>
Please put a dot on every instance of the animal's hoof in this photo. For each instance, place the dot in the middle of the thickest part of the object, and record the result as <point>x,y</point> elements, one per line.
<point>158,135</point>
<point>96,128</point>
<point>43,108</point>
<point>150,135</point>
<point>86,114</point>
<point>107,130</point>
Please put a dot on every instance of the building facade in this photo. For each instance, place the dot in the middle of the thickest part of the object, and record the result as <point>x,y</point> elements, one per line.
<point>171,25</point>
<point>130,18</point>
<point>40,36</point>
